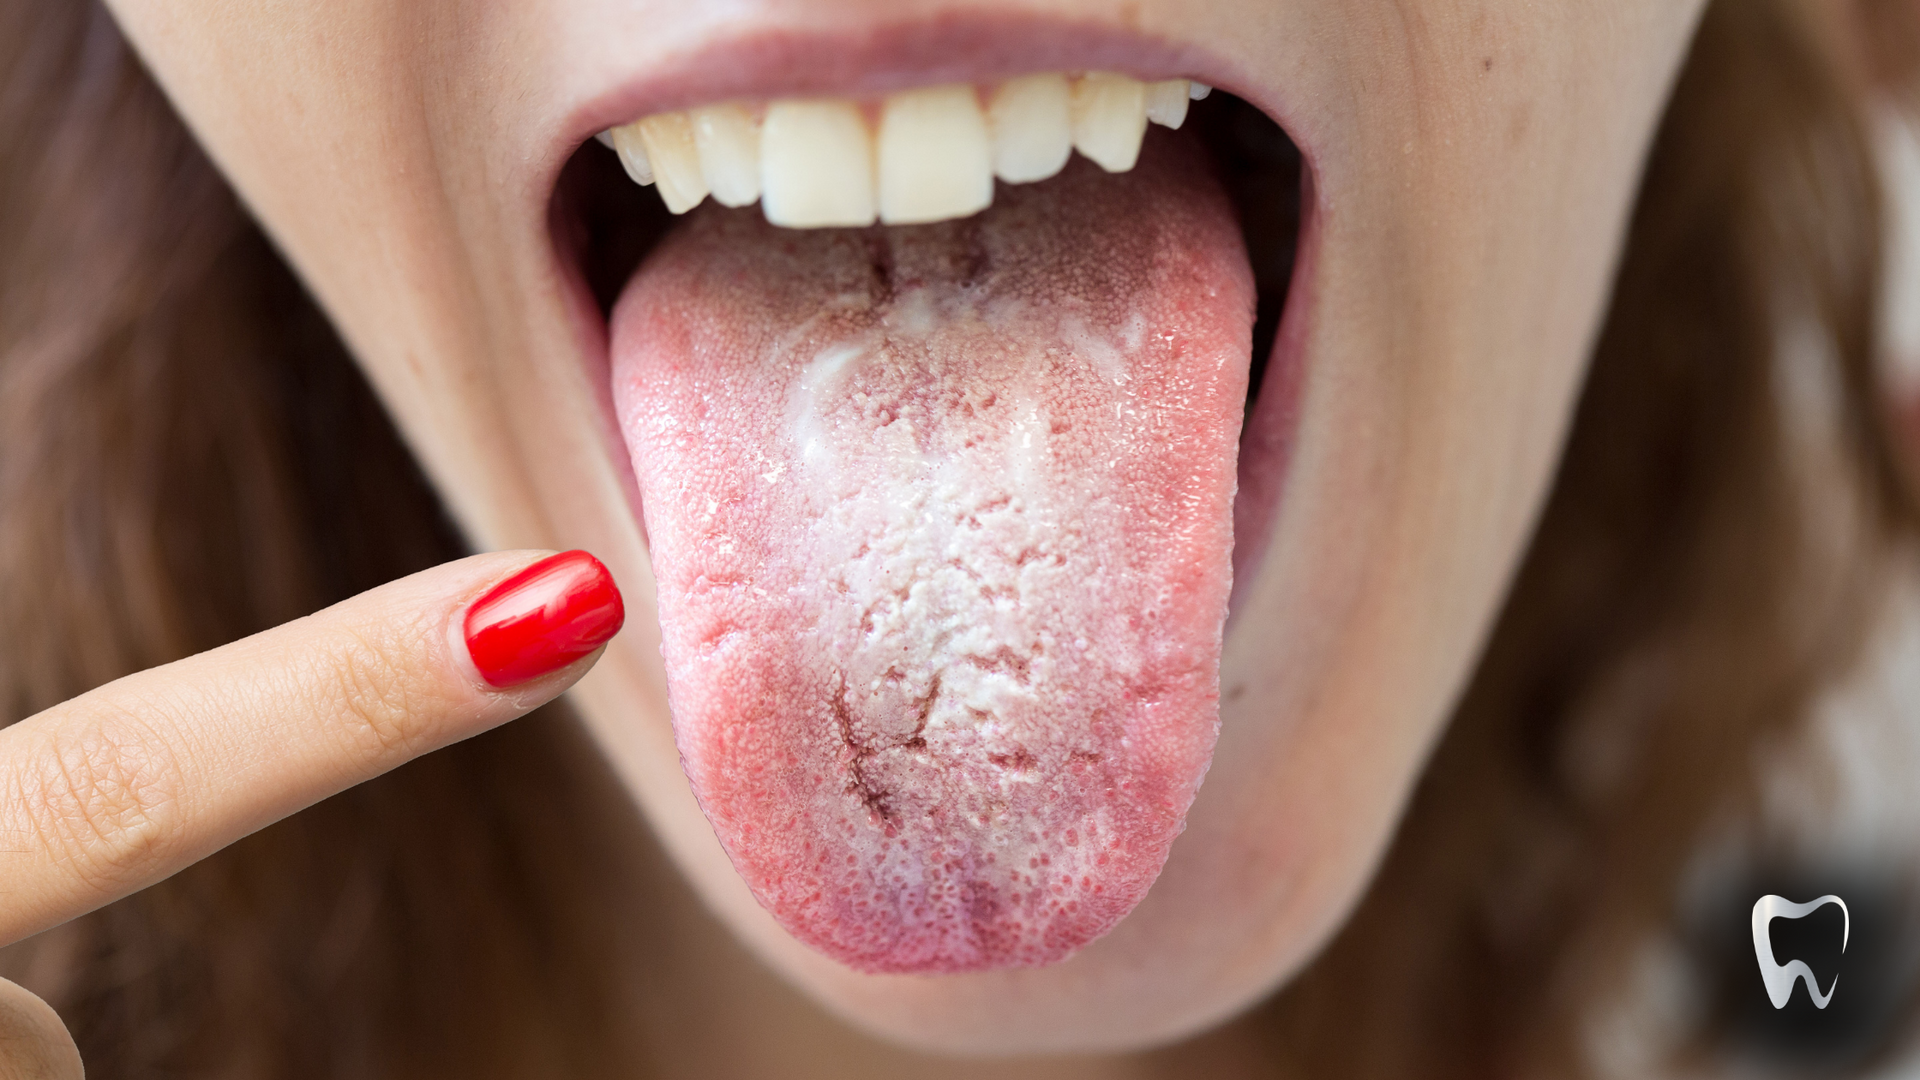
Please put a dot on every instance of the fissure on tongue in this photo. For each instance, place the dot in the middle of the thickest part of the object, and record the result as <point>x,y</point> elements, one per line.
<point>942,522</point>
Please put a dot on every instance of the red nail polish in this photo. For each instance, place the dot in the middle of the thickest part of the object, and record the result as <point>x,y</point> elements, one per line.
<point>543,618</point>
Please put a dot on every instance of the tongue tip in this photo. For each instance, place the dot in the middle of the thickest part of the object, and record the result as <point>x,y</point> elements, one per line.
<point>985,940</point>
<point>884,897</point>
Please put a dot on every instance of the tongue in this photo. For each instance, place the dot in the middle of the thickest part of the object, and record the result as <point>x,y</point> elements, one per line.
<point>942,522</point>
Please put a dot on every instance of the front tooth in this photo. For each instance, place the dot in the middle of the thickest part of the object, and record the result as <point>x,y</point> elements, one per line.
<point>934,159</point>
<point>626,143</point>
<point>729,145</point>
<point>1167,102</point>
<point>1109,119</point>
<point>816,165</point>
<point>1032,127</point>
<point>668,138</point>
<point>1198,91</point>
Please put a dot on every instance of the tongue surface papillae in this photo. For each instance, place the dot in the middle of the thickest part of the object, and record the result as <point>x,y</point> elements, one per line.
<point>942,522</point>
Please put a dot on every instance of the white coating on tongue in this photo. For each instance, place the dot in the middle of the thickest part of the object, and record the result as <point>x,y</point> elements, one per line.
<point>941,518</point>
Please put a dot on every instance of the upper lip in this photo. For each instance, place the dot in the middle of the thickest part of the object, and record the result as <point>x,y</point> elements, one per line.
<point>966,47</point>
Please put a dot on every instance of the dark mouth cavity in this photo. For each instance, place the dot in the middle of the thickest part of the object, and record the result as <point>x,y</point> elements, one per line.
<point>609,224</point>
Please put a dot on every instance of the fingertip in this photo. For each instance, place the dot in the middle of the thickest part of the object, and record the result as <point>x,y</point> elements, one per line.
<point>542,619</point>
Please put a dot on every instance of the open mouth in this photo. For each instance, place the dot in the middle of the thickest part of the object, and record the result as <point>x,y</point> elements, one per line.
<point>950,412</point>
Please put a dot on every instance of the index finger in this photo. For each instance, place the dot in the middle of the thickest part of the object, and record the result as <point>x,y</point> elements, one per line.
<point>128,783</point>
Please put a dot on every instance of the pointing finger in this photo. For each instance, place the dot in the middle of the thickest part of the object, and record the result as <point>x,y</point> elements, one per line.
<point>124,785</point>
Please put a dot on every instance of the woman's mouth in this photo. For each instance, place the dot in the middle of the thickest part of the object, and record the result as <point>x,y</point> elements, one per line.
<point>943,515</point>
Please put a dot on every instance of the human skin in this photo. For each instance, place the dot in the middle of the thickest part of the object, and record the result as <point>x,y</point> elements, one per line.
<point>111,791</point>
<point>1472,163</point>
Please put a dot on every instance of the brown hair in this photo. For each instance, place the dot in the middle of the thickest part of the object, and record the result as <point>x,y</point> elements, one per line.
<point>187,456</point>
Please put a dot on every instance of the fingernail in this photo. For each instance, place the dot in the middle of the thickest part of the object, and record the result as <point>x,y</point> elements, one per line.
<point>543,618</point>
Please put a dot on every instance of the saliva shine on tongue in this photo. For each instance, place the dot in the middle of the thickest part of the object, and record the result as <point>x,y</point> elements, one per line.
<point>941,517</point>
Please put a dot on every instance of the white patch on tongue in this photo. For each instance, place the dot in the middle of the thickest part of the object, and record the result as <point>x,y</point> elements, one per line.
<point>942,520</point>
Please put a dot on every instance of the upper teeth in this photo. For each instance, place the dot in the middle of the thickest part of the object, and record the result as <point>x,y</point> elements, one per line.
<point>935,153</point>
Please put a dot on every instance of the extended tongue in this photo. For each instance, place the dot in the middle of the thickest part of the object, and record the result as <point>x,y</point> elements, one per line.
<point>942,521</point>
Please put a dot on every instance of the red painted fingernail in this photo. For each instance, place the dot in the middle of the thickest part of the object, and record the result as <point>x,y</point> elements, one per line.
<point>543,618</point>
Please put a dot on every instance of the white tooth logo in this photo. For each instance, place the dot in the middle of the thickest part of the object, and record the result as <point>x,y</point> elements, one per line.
<point>1779,978</point>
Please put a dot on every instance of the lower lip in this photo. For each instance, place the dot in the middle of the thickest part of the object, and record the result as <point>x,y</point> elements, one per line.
<point>1267,440</point>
